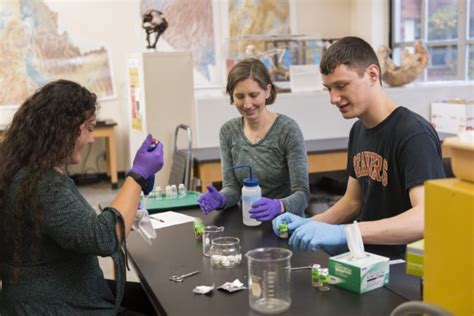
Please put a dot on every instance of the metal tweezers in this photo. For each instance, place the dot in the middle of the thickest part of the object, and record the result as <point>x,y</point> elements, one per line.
<point>301,268</point>
<point>180,278</point>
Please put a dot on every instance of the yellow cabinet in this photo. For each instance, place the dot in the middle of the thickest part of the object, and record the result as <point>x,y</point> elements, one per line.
<point>449,245</point>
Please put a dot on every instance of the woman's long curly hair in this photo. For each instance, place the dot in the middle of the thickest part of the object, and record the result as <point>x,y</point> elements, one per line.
<point>41,136</point>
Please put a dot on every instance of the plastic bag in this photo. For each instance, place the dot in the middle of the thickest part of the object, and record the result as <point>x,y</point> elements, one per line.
<point>143,226</point>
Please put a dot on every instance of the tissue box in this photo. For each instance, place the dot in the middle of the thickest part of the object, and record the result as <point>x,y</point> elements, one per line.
<point>415,252</point>
<point>359,275</point>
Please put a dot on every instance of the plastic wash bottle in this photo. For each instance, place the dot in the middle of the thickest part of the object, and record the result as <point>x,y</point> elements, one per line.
<point>251,193</point>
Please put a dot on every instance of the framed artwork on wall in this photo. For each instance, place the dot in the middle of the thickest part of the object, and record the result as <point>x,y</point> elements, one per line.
<point>37,49</point>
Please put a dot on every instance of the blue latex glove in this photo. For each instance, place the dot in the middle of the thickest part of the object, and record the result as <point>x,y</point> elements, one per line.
<point>147,163</point>
<point>293,221</point>
<point>265,209</point>
<point>211,200</point>
<point>314,234</point>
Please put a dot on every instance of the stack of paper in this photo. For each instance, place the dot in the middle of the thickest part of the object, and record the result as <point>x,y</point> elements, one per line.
<point>169,218</point>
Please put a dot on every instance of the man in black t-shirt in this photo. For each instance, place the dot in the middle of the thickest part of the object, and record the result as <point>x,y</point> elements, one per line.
<point>392,151</point>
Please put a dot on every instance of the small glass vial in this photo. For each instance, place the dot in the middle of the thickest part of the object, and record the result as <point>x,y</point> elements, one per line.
<point>168,193</point>
<point>151,195</point>
<point>158,193</point>
<point>283,229</point>
<point>315,275</point>
<point>225,252</point>
<point>324,278</point>
<point>143,201</point>
<point>174,191</point>
<point>210,233</point>
<point>181,191</point>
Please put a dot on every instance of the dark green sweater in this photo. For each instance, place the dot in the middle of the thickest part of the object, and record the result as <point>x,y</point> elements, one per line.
<point>65,278</point>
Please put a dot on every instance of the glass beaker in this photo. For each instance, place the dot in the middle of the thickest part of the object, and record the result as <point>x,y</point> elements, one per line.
<point>269,279</point>
<point>225,252</point>
<point>210,232</point>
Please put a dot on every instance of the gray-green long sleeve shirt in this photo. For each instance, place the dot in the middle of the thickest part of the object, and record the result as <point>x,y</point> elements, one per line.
<point>65,278</point>
<point>278,161</point>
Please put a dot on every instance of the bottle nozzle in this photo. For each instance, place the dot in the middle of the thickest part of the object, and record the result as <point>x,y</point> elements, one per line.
<point>250,181</point>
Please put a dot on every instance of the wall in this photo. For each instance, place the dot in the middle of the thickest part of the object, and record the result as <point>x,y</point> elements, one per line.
<point>314,113</point>
<point>370,20</point>
<point>325,18</point>
<point>337,18</point>
<point>116,25</point>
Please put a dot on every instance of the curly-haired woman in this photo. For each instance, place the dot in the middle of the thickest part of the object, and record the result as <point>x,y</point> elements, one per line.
<point>50,235</point>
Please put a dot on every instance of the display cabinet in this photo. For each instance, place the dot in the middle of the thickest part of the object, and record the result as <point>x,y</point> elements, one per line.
<point>278,52</point>
<point>161,97</point>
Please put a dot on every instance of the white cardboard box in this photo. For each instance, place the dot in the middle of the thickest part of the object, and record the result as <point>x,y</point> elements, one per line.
<point>448,117</point>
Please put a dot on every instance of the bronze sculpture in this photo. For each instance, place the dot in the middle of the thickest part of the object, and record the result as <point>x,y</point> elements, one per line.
<point>153,22</point>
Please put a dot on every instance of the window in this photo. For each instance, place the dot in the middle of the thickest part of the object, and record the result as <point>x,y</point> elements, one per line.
<point>447,29</point>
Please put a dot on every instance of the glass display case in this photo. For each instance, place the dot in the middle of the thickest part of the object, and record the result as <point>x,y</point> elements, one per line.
<point>277,52</point>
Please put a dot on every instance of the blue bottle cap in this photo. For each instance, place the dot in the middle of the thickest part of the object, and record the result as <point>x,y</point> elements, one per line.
<point>250,182</point>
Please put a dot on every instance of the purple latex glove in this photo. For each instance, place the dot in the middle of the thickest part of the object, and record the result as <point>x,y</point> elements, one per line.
<point>147,163</point>
<point>211,200</point>
<point>265,209</point>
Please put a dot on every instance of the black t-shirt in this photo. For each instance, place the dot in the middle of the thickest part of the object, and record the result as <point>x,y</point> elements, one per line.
<point>387,160</point>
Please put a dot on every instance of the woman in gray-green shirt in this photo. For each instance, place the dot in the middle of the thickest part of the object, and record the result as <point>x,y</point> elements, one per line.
<point>271,143</point>
<point>50,235</point>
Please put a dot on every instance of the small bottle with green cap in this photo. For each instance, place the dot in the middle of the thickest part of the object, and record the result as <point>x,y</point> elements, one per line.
<point>198,228</point>
<point>283,229</point>
<point>315,277</point>
<point>324,278</point>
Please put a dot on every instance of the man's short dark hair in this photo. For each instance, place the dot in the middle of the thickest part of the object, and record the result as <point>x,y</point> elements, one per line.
<point>351,51</point>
